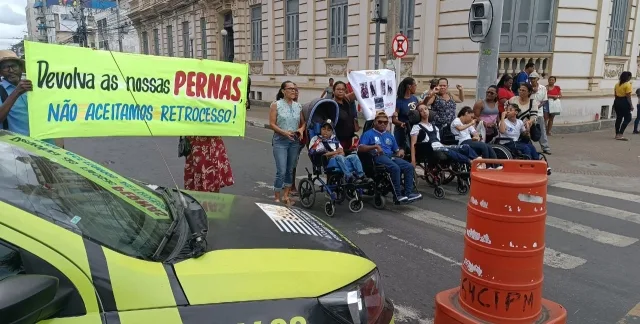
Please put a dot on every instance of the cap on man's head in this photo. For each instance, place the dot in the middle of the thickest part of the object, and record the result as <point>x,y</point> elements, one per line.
<point>327,123</point>
<point>381,114</point>
<point>534,75</point>
<point>8,55</point>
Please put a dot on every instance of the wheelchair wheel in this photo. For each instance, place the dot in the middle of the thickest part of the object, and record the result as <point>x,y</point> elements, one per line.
<point>329,209</point>
<point>378,201</point>
<point>356,205</point>
<point>307,193</point>
<point>438,192</point>
<point>351,191</point>
<point>502,152</point>
<point>462,187</point>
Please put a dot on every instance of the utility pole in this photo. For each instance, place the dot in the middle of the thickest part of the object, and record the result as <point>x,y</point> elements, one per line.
<point>393,27</point>
<point>381,6</point>
<point>119,28</point>
<point>490,45</point>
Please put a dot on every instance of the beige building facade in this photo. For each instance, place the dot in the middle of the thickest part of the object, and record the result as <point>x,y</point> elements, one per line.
<point>586,44</point>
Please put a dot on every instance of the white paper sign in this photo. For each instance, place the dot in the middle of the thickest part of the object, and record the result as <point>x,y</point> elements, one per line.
<point>375,91</point>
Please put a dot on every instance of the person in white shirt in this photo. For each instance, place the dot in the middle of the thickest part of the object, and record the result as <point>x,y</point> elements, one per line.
<point>463,128</point>
<point>425,133</point>
<point>512,127</point>
<point>540,95</point>
<point>328,145</point>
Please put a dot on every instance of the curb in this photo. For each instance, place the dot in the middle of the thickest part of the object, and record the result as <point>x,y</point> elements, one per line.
<point>257,123</point>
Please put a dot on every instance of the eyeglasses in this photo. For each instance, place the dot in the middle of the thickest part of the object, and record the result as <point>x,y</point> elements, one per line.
<point>292,89</point>
<point>7,67</point>
<point>383,122</point>
<point>491,93</point>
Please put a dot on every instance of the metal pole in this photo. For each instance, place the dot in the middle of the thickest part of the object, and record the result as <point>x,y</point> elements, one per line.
<point>85,37</point>
<point>376,63</point>
<point>489,53</point>
<point>118,26</point>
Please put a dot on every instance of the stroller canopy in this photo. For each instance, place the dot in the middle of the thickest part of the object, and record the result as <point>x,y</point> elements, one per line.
<point>319,110</point>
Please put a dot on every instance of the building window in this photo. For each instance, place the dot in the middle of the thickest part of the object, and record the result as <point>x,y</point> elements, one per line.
<point>170,40</point>
<point>256,33</point>
<point>407,15</point>
<point>615,46</point>
<point>103,45</point>
<point>527,25</point>
<point>338,21</point>
<point>292,25</point>
<point>156,42</point>
<point>203,36</point>
<point>185,39</point>
<point>145,43</point>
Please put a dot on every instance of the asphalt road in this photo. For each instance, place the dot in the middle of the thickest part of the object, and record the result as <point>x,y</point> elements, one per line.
<point>591,264</point>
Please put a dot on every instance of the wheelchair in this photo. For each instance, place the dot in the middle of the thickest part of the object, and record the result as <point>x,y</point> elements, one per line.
<point>382,184</point>
<point>505,153</point>
<point>336,189</point>
<point>438,167</point>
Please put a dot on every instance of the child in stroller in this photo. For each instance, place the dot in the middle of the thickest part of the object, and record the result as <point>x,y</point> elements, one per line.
<point>327,157</point>
<point>328,145</point>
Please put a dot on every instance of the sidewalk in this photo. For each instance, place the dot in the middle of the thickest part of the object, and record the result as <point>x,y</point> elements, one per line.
<point>581,154</point>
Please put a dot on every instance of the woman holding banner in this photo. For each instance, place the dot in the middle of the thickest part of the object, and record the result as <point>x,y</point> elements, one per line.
<point>207,167</point>
<point>287,121</point>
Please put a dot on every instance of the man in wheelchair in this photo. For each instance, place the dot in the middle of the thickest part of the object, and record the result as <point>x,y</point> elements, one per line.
<point>327,145</point>
<point>381,143</point>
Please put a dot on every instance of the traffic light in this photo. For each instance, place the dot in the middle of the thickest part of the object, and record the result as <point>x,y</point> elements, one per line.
<point>480,19</point>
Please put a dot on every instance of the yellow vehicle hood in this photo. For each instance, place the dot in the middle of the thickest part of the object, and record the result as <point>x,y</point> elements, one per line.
<point>236,275</point>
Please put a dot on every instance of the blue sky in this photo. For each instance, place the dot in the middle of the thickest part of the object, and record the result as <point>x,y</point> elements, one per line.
<point>13,22</point>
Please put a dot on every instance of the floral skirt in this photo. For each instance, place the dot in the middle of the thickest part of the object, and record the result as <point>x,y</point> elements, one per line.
<point>207,168</point>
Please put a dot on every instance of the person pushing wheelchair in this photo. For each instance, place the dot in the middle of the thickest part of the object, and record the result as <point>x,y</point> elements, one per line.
<point>381,143</point>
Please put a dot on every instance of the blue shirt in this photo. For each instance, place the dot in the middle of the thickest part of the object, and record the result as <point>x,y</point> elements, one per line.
<point>403,106</point>
<point>522,77</point>
<point>385,140</point>
<point>18,116</point>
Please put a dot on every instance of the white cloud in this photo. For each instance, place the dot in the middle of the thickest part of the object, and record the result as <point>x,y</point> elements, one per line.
<point>13,23</point>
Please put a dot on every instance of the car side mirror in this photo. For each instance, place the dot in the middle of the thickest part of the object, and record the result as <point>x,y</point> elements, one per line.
<point>24,297</point>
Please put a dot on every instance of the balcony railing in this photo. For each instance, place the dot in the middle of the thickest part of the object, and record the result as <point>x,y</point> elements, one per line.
<point>512,63</point>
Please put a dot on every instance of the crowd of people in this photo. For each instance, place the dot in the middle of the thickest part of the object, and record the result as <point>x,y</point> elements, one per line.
<point>520,108</point>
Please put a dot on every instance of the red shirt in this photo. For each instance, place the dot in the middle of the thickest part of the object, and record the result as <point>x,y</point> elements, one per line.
<point>504,93</point>
<point>555,91</point>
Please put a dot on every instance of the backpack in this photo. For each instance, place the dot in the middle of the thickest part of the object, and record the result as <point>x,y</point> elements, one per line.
<point>3,97</point>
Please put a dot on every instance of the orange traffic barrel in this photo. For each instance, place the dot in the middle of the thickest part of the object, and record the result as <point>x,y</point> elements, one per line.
<point>502,269</point>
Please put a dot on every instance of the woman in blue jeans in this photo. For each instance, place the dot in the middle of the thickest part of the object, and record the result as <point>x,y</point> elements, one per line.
<point>463,128</point>
<point>287,121</point>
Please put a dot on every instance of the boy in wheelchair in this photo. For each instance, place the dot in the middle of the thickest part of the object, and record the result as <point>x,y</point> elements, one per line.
<point>328,147</point>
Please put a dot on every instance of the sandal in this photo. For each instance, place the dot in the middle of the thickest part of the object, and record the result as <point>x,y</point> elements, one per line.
<point>288,202</point>
<point>622,138</point>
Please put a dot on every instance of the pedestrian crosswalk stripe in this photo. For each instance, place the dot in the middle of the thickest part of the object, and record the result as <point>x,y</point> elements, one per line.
<point>590,232</point>
<point>552,257</point>
<point>593,208</point>
<point>578,229</point>
<point>598,191</point>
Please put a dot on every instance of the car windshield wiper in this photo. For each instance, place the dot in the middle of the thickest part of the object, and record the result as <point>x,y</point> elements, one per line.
<point>179,209</point>
<point>167,196</point>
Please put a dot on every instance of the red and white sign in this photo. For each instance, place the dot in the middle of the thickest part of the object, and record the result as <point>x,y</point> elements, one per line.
<point>400,46</point>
